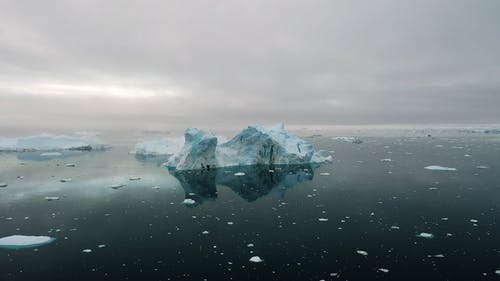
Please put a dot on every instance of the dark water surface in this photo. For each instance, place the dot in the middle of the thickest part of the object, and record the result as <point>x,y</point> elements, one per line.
<point>370,205</point>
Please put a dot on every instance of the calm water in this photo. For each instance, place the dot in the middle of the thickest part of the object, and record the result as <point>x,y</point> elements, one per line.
<point>306,222</point>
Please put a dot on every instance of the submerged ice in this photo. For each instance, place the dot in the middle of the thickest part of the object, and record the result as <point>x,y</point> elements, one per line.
<point>255,145</point>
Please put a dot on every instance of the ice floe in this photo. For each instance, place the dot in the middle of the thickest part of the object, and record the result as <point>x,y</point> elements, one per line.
<point>439,168</point>
<point>256,259</point>
<point>354,140</point>
<point>384,270</point>
<point>24,241</point>
<point>51,198</point>
<point>425,235</point>
<point>2,184</point>
<point>363,253</point>
<point>188,201</point>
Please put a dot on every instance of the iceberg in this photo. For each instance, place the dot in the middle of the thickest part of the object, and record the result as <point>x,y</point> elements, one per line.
<point>24,241</point>
<point>158,147</point>
<point>48,142</point>
<point>255,145</point>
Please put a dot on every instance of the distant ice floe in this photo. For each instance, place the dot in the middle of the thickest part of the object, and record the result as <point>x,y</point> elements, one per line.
<point>255,145</point>
<point>354,140</point>
<point>439,168</point>
<point>188,201</point>
<point>24,241</point>
<point>47,142</point>
<point>2,184</point>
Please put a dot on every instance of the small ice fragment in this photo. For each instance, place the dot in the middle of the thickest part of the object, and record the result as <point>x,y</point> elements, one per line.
<point>363,253</point>
<point>50,154</point>
<point>51,198</point>
<point>87,251</point>
<point>384,270</point>
<point>473,221</point>
<point>135,178</point>
<point>439,256</point>
<point>425,235</point>
<point>70,165</point>
<point>482,167</point>
<point>323,219</point>
<point>467,155</point>
<point>250,245</point>
<point>24,241</point>
<point>188,201</point>
<point>2,184</point>
<point>116,186</point>
<point>155,187</point>
<point>239,174</point>
<point>230,223</point>
<point>497,271</point>
<point>65,180</point>
<point>205,232</point>
<point>324,174</point>
<point>439,168</point>
<point>444,219</point>
<point>394,227</point>
<point>101,246</point>
<point>386,160</point>
<point>256,259</point>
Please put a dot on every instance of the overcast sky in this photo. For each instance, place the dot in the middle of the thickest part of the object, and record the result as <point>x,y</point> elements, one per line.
<point>212,63</point>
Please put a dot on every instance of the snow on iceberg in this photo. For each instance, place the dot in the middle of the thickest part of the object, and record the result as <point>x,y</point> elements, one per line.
<point>254,145</point>
<point>23,241</point>
<point>48,142</point>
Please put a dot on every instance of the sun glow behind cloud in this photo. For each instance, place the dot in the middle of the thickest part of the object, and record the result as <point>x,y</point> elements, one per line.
<point>90,89</point>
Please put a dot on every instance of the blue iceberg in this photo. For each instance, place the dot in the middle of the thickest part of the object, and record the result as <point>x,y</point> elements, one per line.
<point>255,145</point>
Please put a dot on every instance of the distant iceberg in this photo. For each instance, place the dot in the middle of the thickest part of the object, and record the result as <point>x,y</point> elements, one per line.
<point>48,142</point>
<point>255,145</point>
<point>158,147</point>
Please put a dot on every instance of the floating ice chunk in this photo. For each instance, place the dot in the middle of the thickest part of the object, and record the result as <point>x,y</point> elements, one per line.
<point>101,246</point>
<point>384,270</point>
<point>438,256</point>
<point>324,174</point>
<point>51,198</point>
<point>134,178</point>
<point>188,201</point>
<point>322,219</point>
<point>116,186</point>
<point>2,184</point>
<point>155,187</point>
<point>321,156</point>
<point>205,232</point>
<point>256,259</point>
<point>386,160</point>
<point>425,235</point>
<point>482,167</point>
<point>395,227</point>
<point>158,147</point>
<point>473,221</point>
<point>239,174</point>
<point>250,245</point>
<point>439,168</point>
<point>87,250</point>
<point>65,180</point>
<point>230,223</point>
<point>467,155</point>
<point>71,165</point>
<point>363,253</point>
<point>24,241</point>
<point>497,271</point>
<point>50,154</point>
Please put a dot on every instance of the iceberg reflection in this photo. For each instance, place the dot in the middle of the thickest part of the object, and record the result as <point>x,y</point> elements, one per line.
<point>249,182</point>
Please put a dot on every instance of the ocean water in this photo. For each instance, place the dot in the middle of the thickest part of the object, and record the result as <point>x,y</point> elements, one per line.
<point>357,218</point>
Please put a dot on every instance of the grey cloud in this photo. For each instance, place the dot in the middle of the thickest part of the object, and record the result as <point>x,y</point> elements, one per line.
<point>238,62</point>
